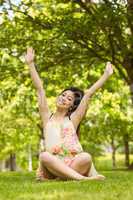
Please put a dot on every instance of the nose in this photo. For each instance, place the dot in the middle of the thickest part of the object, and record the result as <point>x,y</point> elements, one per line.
<point>64,99</point>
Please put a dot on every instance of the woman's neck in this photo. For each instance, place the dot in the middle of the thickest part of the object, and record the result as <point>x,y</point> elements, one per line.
<point>60,113</point>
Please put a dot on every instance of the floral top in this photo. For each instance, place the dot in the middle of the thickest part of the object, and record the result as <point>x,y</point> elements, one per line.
<point>62,139</point>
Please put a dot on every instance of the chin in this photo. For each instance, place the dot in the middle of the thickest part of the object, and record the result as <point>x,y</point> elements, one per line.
<point>60,106</point>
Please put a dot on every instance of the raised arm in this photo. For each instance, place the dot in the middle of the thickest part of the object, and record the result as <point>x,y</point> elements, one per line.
<point>42,101</point>
<point>79,113</point>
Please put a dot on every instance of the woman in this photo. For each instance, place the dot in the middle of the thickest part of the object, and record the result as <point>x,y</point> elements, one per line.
<point>64,157</point>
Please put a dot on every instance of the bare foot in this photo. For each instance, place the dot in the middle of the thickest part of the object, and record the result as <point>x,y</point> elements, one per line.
<point>101,177</point>
<point>97,177</point>
<point>40,179</point>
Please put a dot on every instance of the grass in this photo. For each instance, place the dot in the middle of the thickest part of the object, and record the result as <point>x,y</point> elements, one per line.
<point>22,186</point>
<point>117,186</point>
<point>105,162</point>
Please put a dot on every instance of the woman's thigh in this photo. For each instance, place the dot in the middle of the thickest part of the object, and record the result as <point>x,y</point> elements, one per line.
<point>82,162</point>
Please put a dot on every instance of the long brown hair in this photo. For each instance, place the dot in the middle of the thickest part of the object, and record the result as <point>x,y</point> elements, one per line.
<point>78,94</point>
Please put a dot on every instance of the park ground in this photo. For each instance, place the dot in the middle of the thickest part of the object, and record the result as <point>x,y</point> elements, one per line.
<point>22,186</point>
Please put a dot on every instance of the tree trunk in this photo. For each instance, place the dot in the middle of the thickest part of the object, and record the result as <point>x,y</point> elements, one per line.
<point>126,146</point>
<point>128,62</point>
<point>128,65</point>
<point>113,153</point>
<point>2,165</point>
<point>12,162</point>
<point>29,158</point>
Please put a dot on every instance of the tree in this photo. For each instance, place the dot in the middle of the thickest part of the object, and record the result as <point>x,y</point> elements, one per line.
<point>70,37</point>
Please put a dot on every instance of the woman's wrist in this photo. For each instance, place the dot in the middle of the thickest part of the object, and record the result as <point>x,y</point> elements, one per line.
<point>106,75</point>
<point>31,64</point>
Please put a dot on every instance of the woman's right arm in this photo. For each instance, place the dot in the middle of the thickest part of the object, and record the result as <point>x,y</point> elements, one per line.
<point>43,105</point>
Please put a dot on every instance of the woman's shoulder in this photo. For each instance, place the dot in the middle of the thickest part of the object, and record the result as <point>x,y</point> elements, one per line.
<point>69,123</point>
<point>72,122</point>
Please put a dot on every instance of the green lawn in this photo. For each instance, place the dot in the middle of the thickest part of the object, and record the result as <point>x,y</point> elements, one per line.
<point>22,186</point>
<point>105,162</point>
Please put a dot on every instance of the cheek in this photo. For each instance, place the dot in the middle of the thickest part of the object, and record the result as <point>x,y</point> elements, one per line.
<point>71,103</point>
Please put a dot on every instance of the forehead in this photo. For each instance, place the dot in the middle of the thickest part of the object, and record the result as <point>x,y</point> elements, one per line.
<point>69,93</point>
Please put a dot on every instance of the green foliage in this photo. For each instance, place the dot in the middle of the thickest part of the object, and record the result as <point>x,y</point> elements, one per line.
<point>110,116</point>
<point>72,41</point>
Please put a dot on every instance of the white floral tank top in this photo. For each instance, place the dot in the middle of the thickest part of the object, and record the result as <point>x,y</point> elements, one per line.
<point>62,139</point>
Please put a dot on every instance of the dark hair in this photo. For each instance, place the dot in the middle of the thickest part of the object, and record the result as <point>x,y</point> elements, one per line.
<point>78,94</point>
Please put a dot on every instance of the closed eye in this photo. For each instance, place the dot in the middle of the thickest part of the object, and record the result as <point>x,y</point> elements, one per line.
<point>69,99</point>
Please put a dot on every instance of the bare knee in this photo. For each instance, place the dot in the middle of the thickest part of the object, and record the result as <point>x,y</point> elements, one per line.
<point>86,158</point>
<point>45,157</point>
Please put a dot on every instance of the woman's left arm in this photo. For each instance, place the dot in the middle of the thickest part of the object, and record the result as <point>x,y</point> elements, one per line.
<point>79,113</point>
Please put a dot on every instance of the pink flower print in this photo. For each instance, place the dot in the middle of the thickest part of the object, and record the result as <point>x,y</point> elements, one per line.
<point>73,140</point>
<point>73,151</point>
<point>66,130</point>
<point>67,160</point>
<point>56,149</point>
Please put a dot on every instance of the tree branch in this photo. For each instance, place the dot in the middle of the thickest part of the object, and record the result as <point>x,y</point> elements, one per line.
<point>14,8</point>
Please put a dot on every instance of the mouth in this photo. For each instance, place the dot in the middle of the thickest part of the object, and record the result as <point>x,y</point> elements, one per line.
<point>61,102</point>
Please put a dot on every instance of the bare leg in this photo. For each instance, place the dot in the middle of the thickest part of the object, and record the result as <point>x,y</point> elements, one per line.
<point>59,168</point>
<point>42,174</point>
<point>83,164</point>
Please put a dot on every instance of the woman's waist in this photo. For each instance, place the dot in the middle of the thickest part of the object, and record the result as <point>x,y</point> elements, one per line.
<point>62,150</point>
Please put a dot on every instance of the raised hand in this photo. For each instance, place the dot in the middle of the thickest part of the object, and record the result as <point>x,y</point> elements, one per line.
<point>29,57</point>
<point>109,69</point>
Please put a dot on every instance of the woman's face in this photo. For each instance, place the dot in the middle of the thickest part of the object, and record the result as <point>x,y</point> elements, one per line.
<point>65,100</point>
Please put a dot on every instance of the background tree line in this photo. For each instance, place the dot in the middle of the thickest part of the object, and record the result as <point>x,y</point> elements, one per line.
<point>72,39</point>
